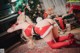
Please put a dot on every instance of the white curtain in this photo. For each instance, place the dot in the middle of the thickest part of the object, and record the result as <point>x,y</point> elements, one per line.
<point>58,5</point>
<point>47,3</point>
<point>60,8</point>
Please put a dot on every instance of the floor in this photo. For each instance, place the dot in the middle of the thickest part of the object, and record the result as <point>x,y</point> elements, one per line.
<point>42,47</point>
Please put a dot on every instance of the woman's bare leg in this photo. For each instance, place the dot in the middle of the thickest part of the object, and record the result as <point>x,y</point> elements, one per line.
<point>55,31</point>
<point>61,38</point>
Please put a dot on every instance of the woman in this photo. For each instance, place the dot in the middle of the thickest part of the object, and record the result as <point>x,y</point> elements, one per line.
<point>49,33</point>
<point>26,27</point>
<point>46,29</point>
<point>26,31</point>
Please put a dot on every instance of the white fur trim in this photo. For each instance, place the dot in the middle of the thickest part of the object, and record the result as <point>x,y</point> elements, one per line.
<point>38,19</point>
<point>42,36</point>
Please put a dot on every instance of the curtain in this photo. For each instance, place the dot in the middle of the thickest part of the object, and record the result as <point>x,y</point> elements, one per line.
<point>47,4</point>
<point>58,5</point>
<point>60,8</point>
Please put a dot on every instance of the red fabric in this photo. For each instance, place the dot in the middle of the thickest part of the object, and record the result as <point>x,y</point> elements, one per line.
<point>19,12</point>
<point>67,37</point>
<point>28,30</point>
<point>57,45</point>
<point>60,20</point>
<point>42,30</point>
<point>74,7</point>
<point>68,5</point>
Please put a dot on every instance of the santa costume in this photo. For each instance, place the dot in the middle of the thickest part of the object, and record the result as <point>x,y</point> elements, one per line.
<point>56,42</point>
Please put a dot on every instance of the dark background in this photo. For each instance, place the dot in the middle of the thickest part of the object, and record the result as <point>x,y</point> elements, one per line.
<point>7,39</point>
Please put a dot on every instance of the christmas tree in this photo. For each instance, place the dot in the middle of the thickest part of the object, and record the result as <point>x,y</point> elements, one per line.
<point>34,6</point>
<point>20,4</point>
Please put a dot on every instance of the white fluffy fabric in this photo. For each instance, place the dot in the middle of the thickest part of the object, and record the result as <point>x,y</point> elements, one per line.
<point>38,19</point>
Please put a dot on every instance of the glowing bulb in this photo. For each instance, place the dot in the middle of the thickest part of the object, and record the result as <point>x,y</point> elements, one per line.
<point>13,0</point>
